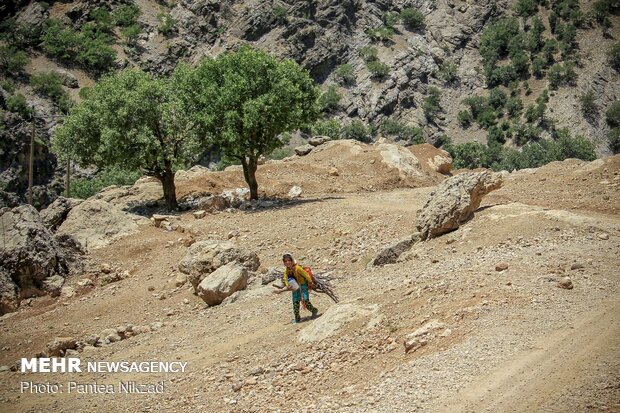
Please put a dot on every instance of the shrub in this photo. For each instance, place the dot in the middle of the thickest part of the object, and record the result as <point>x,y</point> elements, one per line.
<point>357,130</point>
<point>477,105</point>
<point>524,133</point>
<point>495,136</point>
<point>281,153</point>
<point>448,72</point>
<point>20,35</point>
<point>102,17</point>
<point>330,99</point>
<point>412,18</point>
<point>496,38</point>
<point>126,15</point>
<point>521,65</point>
<point>497,98</point>
<point>548,50</point>
<point>12,60</point>
<point>344,73</point>
<point>8,85</point>
<point>577,147</point>
<point>465,118</point>
<point>602,9</point>
<point>613,56</point>
<point>411,134</point>
<point>131,34</point>
<point>431,105</point>
<point>561,74</point>
<point>17,104</point>
<point>538,67</point>
<point>383,34</point>
<point>327,127</point>
<point>613,114</point>
<point>486,118</point>
<point>525,8</point>
<point>390,19</point>
<point>614,140</point>
<point>588,103</point>
<point>86,187</point>
<point>368,53</point>
<point>377,69</point>
<point>50,84</point>
<point>535,35</point>
<point>467,155</point>
<point>280,13</point>
<point>167,23</point>
<point>514,106</point>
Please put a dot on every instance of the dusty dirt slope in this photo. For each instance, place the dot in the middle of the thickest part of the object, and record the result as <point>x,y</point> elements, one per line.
<point>511,340</point>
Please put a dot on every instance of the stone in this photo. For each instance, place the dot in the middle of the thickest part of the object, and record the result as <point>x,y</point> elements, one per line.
<point>234,198</point>
<point>454,201</point>
<point>333,171</point>
<point>68,79</point>
<point>213,203</point>
<point>303,150</point>
<point>180,280</point>
<point>401,159</point>
<point>566,283</point>
<point>318,140</point>
<point>502,266</point>
<point>333,319</point>
<point>204,257</point>
<point>271,275</point>
<point>603,236</point>
<point>199,214</point>
<point>295,192</point>
<point>576,266</point>
<point>423,335</point>
<point>435,159</point>
<point>33,261</point>
<point>58,346</point>
<point>222,283</point>
<point>55,214</point>
<point>390,254</point>
<point>96,223</point>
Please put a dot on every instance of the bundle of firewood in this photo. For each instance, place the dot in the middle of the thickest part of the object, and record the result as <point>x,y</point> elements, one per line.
<point>323,285</point>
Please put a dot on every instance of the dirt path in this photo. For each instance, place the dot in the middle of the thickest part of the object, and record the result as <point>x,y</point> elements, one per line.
<point>533,380</point>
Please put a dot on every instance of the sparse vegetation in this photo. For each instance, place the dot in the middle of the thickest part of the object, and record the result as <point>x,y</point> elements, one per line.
<point>86,187</point>
<point>280,13</point>
<point>561,74</point>
<point>12,60</point>
<point>383,34</point>
<point>612,115</point>
<point>465,118</point>
<point>357,130</point>
<point>447,72</point>
<point>131,34</point>
<point>412,18</point>
<point>344,74</point>
<point>378,69</point>
<point>50,84</point>
<point>167,23</point>
<point>588,104</point>
<point>431,105</point>
<point>126,15</point>
<point>330,99</point>
<point>368,53</point>
<point>327,127</point>
<point>400,131</point>
<point>17,103</point>
<point>613,56</point>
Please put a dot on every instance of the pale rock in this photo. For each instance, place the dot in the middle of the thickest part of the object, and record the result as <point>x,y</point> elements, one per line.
<point>222,283</point>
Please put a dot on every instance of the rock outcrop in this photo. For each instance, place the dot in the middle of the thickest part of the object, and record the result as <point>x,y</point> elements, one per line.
<point>32,260</point>
<point>390,254</point>
<point>454,201</point>
<point>223,282</point>
<point>204,257</point>
<point>56,213</point>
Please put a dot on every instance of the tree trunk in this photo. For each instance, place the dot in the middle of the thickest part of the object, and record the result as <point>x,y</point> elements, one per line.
<point>249,172</point>
<point>170,192</point>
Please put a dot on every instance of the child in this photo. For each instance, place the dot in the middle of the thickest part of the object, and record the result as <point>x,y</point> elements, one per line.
<point>296,273</point>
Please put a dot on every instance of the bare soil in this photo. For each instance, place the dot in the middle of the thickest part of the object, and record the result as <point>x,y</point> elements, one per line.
<point>514,341</point>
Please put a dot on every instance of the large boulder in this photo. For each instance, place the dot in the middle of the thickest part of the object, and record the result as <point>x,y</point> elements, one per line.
<point>454,202</point>
<point>96,223</point>
<point>55,214</point>
<point>223,282</point>
<point>333,319</point>
<point>433,159</point>
<point>204,257</point>
<point>400,158</point>
<point>32,260</point>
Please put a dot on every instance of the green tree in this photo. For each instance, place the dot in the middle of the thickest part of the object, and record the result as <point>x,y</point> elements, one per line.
<point>525,8</point>
<point>133,121</point>
<point>514,106</point>
<point>126,15</point>
<point>588,103</point>
<point>247,99</point>
<point>465,119</point>
<point>614,140</point>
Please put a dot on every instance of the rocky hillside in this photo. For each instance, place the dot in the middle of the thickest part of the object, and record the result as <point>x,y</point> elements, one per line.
<point>397,69</point>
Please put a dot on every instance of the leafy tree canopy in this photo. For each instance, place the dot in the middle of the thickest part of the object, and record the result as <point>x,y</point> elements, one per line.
<point>132,120</point>
<point>248,98</point>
